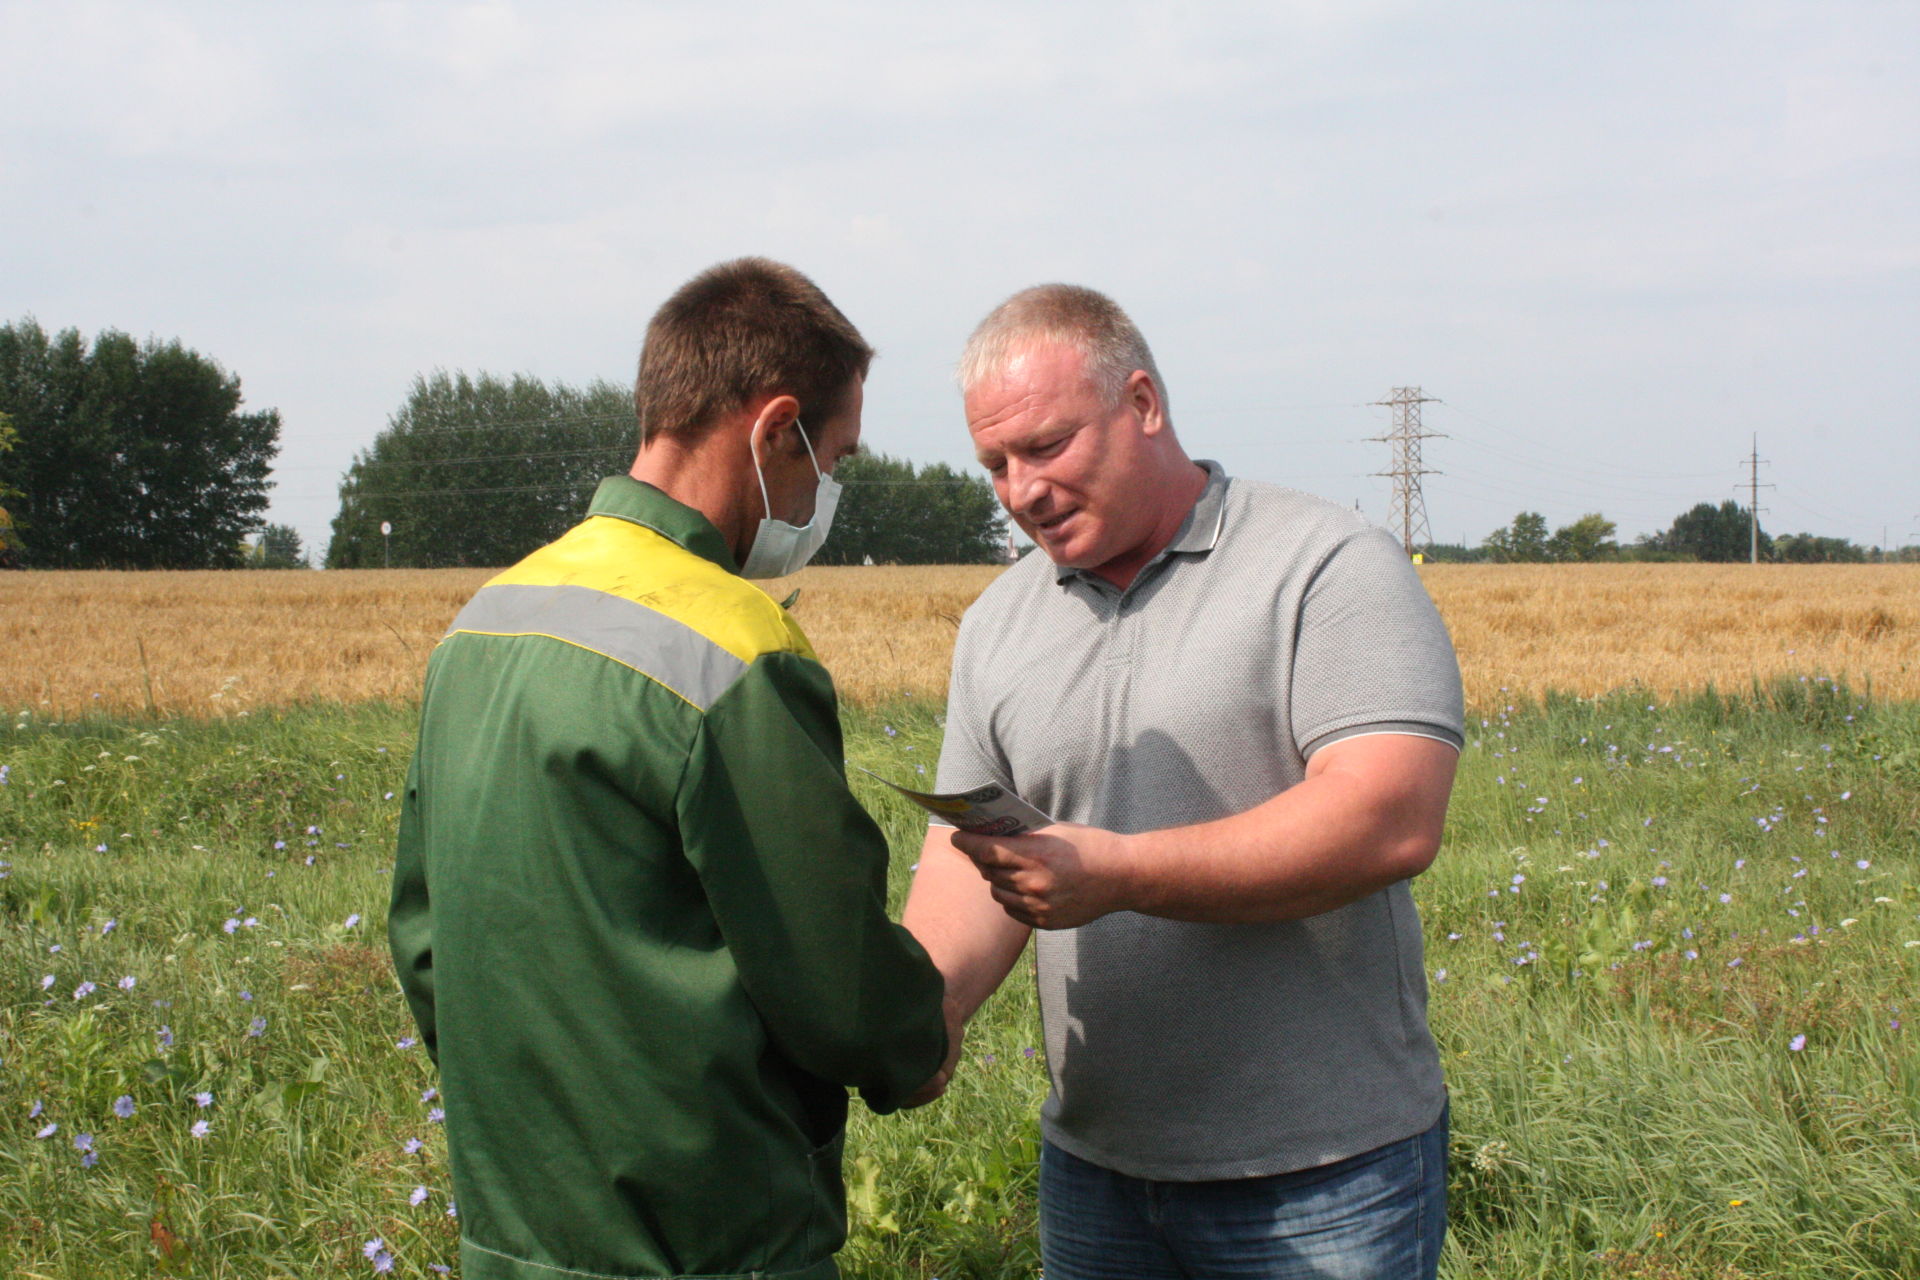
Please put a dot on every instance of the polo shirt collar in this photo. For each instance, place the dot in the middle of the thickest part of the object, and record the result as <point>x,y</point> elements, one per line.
<point>625,498</point>
<point>1200,531</point>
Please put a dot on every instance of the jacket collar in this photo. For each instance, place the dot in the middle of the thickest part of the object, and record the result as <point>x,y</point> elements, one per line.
<point>624,498</point>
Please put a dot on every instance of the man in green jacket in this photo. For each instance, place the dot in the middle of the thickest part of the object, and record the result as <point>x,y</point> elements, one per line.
<point>637,913</point>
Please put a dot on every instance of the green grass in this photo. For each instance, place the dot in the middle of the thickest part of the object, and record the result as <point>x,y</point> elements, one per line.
<point>1626,1098</point>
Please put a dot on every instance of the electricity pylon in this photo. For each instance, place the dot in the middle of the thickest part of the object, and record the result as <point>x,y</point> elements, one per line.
<point>1409,506</point>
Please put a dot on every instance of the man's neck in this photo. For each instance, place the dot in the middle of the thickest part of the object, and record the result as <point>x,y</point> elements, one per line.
<point>1185,483</point>
<point>694,479</point>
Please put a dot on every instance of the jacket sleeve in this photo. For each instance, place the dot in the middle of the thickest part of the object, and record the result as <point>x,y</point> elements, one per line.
<point>796,874</point>
<point>409,920</point>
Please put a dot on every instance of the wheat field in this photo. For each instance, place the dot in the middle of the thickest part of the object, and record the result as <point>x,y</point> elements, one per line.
<point>213,644</point>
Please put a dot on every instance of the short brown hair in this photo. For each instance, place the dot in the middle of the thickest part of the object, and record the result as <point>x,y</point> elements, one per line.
<point>745,328</point>
<point>1074,316</point>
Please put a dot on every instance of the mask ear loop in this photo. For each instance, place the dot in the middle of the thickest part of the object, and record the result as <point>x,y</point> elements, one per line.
<point>762,475</point>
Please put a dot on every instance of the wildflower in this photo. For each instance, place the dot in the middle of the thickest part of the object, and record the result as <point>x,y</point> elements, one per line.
<point>84,990</point>
<point>412,1146</point>
<point>405,1042</point>
<point>353,919</point>
<point>257,1028</point>
<point>436,1115</point>
<point>429,1094</point>
<point>1725,898</point>
<point>200,1129</point>
<point>46,983</point>
<point>1659,882</point>
<point>389,795</point>
<point>49,1131</point>
<point>203,1100</point>
<point>123,1106</point>
<point>109,927</point>
<point>419,1196</point>
<point>83,1142</point>
<point>5,769</point>
<point>1439,975</point>
<point>38,1107</point>
<point>1734,963</point>
<point>231,924</point>
<point>453,1210</point>
<point>1863,864</point>
<point>313,831</point>
<point>165,1036</point>
<point>100,848</point>
<point>246,995</point>
<point>279,844</point>
<point>1796,1044</point>
<point>126,983</point>
<point>251,922</point>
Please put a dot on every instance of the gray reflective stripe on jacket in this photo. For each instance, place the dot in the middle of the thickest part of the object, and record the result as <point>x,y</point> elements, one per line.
<point>662,648</point>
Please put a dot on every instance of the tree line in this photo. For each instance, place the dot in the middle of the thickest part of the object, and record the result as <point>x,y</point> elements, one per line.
<point>1726,533</point>
<point>117,454</point>
<point>481,470</point>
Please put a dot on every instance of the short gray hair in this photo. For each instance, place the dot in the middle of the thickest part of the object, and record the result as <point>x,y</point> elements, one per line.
<point>1082,319</point>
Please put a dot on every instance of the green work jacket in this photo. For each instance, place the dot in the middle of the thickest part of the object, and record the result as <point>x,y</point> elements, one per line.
<point>641,920</point>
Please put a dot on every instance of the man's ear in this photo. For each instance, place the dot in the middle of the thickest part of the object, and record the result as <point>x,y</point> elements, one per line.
<point>774,433</point>
<point>1143,394</point>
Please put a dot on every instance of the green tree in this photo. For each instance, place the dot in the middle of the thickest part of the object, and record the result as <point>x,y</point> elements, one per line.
<point>1588,538</point>
<point>1722,534</point>
<point>480,470</point>
<point>1455,553</point>
<point>894,513</point>
<point>11,546</point>
<point>1807,548</point>
<point>278,548</point>
<point>1522,542</point>
<point>130,455</point>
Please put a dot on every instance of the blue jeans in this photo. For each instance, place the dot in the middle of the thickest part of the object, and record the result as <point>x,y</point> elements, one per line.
<point>1380,1215</point>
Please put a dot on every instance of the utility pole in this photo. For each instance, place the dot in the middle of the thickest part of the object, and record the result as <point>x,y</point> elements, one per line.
<point>1409,506</point>
<point>1753,501</point>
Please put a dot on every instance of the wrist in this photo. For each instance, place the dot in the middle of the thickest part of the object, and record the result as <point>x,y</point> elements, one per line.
<point>1130,875</point>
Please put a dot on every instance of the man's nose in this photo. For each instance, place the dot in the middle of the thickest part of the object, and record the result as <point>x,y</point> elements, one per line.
<point>1026,486</point>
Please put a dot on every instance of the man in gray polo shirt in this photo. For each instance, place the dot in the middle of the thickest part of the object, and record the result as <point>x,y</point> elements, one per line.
<point>1244,713</point>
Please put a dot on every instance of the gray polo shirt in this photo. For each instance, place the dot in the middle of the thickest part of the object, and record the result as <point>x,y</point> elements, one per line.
<point>1273,624</point>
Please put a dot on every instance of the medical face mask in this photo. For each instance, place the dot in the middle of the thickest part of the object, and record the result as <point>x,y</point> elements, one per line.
<point>779,548</point>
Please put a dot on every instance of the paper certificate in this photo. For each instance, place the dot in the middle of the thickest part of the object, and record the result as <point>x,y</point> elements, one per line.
<point>991,810</point>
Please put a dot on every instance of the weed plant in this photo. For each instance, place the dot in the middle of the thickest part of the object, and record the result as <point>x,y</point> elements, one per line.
<point>1672,951</point>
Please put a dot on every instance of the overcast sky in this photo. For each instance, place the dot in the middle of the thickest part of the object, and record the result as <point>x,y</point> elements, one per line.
<point>1615,240</point>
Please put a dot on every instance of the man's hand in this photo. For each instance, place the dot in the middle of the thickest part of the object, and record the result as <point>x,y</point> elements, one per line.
<point>1059,877</point>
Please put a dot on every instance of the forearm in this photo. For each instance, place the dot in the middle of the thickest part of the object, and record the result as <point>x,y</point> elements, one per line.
<point>1341,835</point>
<point>951,911</point>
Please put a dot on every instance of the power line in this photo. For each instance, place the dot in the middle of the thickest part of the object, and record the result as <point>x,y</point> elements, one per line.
<point>568,488</point>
